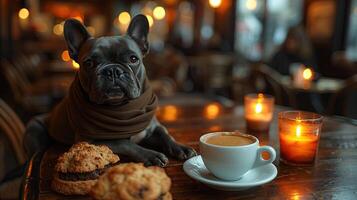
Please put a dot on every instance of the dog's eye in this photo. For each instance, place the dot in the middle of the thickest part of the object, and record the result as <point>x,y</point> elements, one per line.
<point>133,59</point>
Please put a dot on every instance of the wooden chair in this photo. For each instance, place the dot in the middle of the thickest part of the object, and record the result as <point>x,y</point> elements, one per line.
<point>28,66</point>
<point>265,78</point>
<point>167,71</point>
<point>338,103</point>
<point>212,71</point>
<point>14,129</point>
<point>12,154</point>
<point>32,98</point>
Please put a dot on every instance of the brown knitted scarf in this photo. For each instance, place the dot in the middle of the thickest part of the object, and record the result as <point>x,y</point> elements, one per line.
<point>76,118</point>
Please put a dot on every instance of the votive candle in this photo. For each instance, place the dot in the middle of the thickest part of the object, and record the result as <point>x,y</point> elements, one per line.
<point>258,111</point>
<point>299,134</point>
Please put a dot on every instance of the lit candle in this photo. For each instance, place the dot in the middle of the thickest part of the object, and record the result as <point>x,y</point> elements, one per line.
<point>258,111</point>
<point>299,136</point>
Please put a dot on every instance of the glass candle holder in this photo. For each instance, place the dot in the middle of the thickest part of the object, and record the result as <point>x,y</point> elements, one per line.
<point>258,111</point>
<point>299,134</point>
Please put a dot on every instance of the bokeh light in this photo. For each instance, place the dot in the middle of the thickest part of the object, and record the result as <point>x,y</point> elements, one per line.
<point>79,18</point>
<point>212,110</point>
<point>124,18</point>
<point>65,56</point>
<point>24,13</point>
<point>168,113</point>
<point>75,64</point>
<point>251,4</point>
<point>58,29</point>
<point>215,3</point>
<point>307,74</point>
<point>159,13</point>
<point>150,20</point>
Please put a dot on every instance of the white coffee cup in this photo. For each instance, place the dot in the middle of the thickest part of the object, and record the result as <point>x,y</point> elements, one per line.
<point>232,162</point>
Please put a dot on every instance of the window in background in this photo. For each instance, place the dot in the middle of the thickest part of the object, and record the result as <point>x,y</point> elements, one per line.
<point>282,14</point>
<point>262,25</point>
<point>184,26</point>
<point>352,33</point>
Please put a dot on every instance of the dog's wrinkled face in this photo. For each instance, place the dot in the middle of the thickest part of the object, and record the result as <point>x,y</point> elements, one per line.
<point>111,68</point>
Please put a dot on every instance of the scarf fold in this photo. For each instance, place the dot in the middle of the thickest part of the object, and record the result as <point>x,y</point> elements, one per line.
<point>76,117</point>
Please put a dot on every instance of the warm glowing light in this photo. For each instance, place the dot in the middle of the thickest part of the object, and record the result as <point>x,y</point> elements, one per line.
<point>24,13</point>
<point>215,3</point>
<point>58,29</point>
<point>307,74</point>
<point>295,196</point>
<point>215,128</point>
<point>65,56</point>
<point>169,113</point>
<point>79,18</point>
<point>75,64</point>
<point>251,4</point>
<point>258,108</point>
<point>159,13</point>
<point>124,18</point>
<point>91,30</point>
<point>298,130</point>
<point>212,110</point>
<point>150,20</point>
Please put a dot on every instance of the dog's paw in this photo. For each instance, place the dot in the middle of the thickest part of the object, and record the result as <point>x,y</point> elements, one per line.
<point>180,152</point>
<point>151,158</point>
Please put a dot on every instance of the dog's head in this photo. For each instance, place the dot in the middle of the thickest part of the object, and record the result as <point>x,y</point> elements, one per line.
<point>111,68</point>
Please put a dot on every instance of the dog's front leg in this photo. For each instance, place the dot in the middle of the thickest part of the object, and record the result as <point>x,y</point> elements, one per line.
<point>135,152</point>
<point>160,140</point>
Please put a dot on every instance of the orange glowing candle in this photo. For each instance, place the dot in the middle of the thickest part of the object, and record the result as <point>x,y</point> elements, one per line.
<point>299,136</point>
<point>258,111</point>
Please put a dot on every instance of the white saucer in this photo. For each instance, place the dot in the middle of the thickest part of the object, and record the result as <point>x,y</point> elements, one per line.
<point>195,169</point>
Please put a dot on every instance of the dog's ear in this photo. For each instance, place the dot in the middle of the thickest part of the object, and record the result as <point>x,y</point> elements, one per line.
<point>75,35</point>
<point>138,30</point>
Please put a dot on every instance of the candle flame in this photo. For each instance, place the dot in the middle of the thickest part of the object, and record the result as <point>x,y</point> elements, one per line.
<point>258,108</point>
<point>307,74</point>
<point>298,130</point>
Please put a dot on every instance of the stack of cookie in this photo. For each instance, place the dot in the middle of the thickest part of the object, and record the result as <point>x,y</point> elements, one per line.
<point>90,169</point>
<point>78,169</point>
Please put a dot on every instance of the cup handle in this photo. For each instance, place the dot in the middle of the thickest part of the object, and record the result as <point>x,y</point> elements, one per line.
<point>260,161</point>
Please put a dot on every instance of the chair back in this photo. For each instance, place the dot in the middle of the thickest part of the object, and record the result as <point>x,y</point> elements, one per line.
<point>212,71</point>
<point>14,129</point>
<point>17,82</point>
<point>338,103</point>
<point>265,78</point>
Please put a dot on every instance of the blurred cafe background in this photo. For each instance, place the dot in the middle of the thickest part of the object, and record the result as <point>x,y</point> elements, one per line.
<point>304,52</point>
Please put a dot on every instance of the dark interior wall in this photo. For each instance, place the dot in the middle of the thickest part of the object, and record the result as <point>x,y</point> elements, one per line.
<point>326,47</point>
<point>6,10</point>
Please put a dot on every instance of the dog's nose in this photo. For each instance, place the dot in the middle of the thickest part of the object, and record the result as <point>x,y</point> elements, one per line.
<point>112,72</point>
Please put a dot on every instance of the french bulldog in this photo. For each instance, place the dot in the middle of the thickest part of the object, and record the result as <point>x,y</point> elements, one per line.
<point>102,76</point>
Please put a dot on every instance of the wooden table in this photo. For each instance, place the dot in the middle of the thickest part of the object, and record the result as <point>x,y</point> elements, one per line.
<point>322,86</point>
<point>332,177</point>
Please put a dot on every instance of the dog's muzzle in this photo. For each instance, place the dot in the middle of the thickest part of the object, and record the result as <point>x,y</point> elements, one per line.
<point>116,71</point>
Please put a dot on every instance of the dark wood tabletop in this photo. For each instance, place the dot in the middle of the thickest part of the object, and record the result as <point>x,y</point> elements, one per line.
<point>332,177</point>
